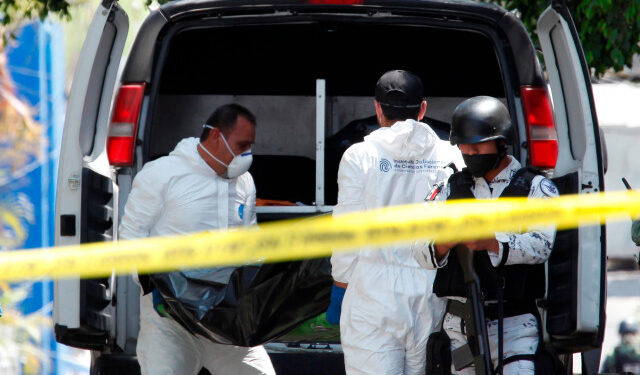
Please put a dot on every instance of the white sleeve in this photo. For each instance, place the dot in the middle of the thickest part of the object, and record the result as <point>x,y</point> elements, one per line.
<point>144,204</point>
<point>351,182</point>
<point>458,160</point>
<point>533,246</point>
<point>425,254</point>
<point>250,204</point>
<point>424,251</point>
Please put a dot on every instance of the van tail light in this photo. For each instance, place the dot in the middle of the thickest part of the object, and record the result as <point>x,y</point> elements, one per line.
<point>124,124</point>
<point>541,131</point>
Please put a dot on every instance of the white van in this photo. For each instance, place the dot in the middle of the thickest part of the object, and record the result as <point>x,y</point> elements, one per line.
<point>307,69</point>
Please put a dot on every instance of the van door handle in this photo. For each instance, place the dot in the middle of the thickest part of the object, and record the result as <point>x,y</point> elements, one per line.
<point>68,225</point>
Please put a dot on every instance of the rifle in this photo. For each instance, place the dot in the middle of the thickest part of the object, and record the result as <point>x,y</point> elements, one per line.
<point>472,312</point>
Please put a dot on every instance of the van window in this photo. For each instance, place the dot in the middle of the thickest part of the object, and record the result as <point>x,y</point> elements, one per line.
<point>287,59</point>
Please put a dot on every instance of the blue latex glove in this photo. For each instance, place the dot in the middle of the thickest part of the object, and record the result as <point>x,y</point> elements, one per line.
<point>333,312</point>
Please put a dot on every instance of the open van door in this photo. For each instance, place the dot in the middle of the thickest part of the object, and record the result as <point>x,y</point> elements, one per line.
<point>577,279</point>
<point>84,310</point>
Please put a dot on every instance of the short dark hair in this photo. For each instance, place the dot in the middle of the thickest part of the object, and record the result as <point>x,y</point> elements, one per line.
<point>400,114</point>
<point>225,119</point>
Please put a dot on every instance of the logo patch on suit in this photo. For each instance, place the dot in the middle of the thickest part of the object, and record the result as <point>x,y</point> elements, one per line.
<point>241,211</point>
<point>385,165</point>
<point>548,188</point>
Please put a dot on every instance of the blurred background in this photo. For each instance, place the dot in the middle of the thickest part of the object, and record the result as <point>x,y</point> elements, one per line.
<point>37,60</point>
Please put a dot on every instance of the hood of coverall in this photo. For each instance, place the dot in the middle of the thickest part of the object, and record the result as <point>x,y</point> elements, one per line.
<point>188,150</point>
<point>404,139</point>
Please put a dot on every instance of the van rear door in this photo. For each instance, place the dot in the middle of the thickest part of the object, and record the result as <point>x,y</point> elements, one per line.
<point>575,317</point>
<point>84,309</point>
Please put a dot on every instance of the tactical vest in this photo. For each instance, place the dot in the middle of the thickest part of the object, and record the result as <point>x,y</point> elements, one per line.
<point>522,283</point>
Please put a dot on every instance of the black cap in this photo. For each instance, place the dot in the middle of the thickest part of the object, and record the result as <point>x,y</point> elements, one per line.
<point>399,89</point>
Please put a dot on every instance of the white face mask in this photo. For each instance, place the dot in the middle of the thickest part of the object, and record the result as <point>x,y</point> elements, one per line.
<point>239,164</point>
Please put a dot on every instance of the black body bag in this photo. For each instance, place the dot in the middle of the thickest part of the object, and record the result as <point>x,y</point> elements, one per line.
<point>247,305</point>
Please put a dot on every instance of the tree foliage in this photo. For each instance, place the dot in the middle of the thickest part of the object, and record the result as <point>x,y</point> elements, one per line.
<point>16,10</point>
<point>609,29</point>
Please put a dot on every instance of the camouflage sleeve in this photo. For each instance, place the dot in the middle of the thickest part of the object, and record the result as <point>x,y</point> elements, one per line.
<point>635,231</point>
<point>533,246</point>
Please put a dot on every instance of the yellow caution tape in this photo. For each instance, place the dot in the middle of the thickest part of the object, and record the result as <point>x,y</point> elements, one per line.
<point>318,237</point>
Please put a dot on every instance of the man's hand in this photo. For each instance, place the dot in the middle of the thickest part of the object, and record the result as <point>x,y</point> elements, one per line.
<point>490,244</point>
<point>340,285</point>
<point>442,249</point>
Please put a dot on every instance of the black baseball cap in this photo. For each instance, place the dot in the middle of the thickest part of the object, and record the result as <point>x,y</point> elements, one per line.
<point>399,89</point>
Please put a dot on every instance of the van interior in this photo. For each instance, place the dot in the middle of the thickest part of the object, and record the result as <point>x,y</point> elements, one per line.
<point>310,85</point>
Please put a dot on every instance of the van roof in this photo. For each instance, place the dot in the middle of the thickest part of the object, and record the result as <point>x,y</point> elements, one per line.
<point>466,8</point>
<point>456,12</point>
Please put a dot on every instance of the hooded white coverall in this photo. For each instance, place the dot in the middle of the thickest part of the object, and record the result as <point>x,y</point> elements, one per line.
<point>389,309</point>
<point>532,247</point>
<point>179,194</point>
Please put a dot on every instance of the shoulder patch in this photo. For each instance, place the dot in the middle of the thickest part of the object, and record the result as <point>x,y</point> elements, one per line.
<point>548,188</point>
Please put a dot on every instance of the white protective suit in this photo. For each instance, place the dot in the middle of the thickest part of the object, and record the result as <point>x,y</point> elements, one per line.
<point>389,309</point>
<point>532,247</point>
<point>179,194</point>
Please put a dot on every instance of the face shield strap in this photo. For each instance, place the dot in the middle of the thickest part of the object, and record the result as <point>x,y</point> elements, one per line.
<point>210,154</point>
<point>227,144</point>
<point>239,163</point>
<point>223,139</point>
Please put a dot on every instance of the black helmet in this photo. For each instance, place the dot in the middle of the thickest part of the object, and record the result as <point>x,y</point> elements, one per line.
<point>479,119</point>
<point>627,328</point>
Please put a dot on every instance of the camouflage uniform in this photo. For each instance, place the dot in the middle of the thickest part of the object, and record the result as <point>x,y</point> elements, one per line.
<point>625,358</point>
<point>635,231</point>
